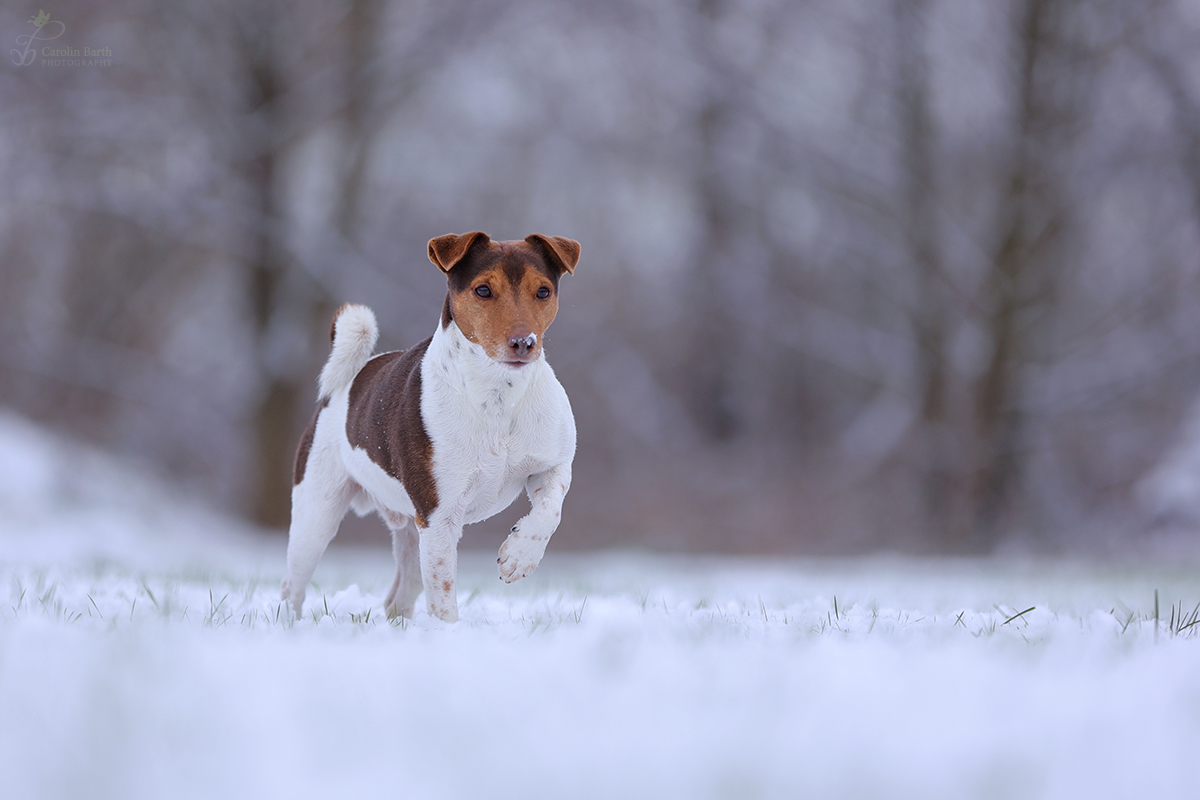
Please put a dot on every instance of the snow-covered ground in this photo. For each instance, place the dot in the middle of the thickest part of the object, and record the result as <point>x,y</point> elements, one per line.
<point>144,654</point>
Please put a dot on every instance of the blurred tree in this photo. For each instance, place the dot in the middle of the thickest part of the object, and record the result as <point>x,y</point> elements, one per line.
<point>922,279</point>
<point>939,441</point>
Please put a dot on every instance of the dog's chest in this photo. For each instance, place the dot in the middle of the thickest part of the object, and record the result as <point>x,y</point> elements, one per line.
<point>496,479</point>
<point>487,443</point>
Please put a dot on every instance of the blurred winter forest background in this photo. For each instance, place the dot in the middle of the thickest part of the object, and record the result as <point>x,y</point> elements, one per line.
<point>916,275</point>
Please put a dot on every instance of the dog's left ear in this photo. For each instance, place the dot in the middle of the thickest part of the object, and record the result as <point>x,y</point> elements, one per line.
<point>562,251</point>
<point>446,251</point>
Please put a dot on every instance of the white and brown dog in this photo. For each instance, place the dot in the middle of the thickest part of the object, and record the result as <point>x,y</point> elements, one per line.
<point>446,433</point>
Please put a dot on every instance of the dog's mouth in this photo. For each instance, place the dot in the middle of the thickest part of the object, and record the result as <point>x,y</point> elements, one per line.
<point>516,364</point>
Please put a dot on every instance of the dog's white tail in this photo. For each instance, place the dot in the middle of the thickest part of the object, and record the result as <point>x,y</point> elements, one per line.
<point>354,335</point>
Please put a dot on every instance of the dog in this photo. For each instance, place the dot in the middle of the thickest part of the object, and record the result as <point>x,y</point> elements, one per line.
<point>446,433</point>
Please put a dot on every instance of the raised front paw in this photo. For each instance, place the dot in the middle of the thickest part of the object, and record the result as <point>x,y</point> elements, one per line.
<point>519,555</point>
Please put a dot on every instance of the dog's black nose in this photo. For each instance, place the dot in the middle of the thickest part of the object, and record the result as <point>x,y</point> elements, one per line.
<point>521,345</point>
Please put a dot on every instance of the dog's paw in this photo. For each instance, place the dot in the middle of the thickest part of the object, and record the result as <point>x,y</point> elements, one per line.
<point>401,611</point>
<point>293,597</point>
<point>519,556</point>
<point>444,612</point>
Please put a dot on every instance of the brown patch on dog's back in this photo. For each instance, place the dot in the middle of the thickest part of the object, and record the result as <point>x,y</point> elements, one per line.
<point>306,444</point>
<point>384,419</point>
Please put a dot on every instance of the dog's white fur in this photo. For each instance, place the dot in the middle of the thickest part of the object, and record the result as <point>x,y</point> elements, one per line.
<point>355,332</point>
<point>495,429</point>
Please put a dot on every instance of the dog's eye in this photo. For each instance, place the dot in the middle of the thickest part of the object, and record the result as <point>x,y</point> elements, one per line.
<point>483,291</point>
<point>543,293</point>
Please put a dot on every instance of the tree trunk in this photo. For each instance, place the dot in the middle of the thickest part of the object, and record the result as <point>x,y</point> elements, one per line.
<point>275,416</point>
<point>935,442</point>
<point>1010,290</point>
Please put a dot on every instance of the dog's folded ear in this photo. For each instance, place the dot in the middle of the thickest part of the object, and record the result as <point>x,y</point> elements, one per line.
<point>446,251</point>
<point>562,251</point>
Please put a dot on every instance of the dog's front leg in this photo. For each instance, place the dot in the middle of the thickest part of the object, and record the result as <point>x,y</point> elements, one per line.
<point>439,567</point>
<point>522,551</point>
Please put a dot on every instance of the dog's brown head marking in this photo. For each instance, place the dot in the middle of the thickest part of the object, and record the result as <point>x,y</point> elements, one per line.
<point>503,295</point>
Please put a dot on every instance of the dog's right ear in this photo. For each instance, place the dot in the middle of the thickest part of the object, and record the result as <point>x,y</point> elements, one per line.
<point>446,251</point>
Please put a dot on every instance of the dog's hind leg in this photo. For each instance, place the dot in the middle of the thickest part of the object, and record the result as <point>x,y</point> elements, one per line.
<point>317,510</point>
<point>402,599</point>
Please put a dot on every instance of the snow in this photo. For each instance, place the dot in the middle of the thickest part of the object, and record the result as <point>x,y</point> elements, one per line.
<point>136,663</point>
<point>62,501</point>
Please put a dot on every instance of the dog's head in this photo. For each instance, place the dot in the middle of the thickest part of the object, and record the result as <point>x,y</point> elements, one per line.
<point>503,295</point>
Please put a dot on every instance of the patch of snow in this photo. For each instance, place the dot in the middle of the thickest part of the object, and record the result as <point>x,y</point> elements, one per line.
<point>178,674</point>
<point>62,501</point>
<point>626,677</point>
